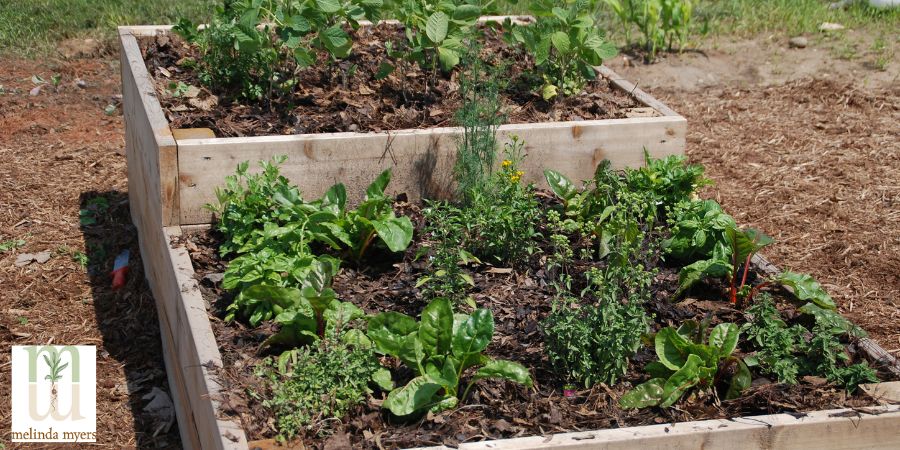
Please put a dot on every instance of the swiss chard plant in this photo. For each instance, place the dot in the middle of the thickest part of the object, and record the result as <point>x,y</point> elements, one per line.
<point>689,359</point>
<point>566,45</point>
<point>439,349</point>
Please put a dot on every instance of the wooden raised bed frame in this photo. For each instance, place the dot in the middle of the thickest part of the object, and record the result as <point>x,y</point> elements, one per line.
<point>173,173</point>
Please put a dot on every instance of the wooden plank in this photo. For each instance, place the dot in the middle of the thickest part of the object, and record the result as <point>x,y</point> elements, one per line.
<point>198,354</point>
<point>884,393</point>
<point>192,133</point>
<point>421,160</point>
<point>150,148</point>
<point>869,428</point>
<point>635,91</point>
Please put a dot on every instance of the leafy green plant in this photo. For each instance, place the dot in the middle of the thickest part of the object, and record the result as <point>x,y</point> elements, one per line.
<point>11,244</point>
<point>696,227</point>
<point>254,47</point>
<point>688,358</point>
<point>439,349</point>
<point>435,31</point>
<point>446,255</point>
<point>792,351</point>
<point>727,261</point>
<point>592,343</point>
<point>566,45</point>
<point>501,219</point>
<point>320,383</point>
<point>670,179</point>
<point>662,23</point>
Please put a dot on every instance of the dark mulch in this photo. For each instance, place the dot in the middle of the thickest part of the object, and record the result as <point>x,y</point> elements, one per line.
<point>519,300</point>
<point>335,99</point>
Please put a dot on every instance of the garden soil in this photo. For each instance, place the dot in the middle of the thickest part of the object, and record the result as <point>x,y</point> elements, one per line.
<point>813,161</point>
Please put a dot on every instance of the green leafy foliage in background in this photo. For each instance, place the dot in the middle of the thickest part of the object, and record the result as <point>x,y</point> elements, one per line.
<point>788,352</point>
<point>255,46</point>
<point>688,358</point>
<point>435,32</point>
<point>439,349</point>
<point>566,45</point>
<point>317,384</point>
<point>663,24</point>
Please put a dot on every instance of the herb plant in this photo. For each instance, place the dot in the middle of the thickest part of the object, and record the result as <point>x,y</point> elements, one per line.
<point>788,352</point>
<point>479,115</point>
<point>592,343</point>
<point>566,45</point>
<point>446,254</point>
<point>321,383</point>
<point>696,227</point>
<point>688,358</point>
<point>439,349</point>
<point>500,222</point>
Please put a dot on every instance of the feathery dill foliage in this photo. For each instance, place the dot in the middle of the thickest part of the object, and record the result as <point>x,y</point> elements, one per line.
<point>480,114</point>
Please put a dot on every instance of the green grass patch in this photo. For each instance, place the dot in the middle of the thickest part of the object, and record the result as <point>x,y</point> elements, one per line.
<point>34,27</point>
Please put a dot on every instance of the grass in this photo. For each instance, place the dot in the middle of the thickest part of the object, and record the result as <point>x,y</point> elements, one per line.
<point>34,27</point>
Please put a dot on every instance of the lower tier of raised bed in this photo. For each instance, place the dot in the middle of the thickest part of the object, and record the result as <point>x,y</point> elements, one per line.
<point>194,365</point>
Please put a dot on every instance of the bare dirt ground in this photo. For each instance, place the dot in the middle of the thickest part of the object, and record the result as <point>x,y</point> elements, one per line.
<point>801,143</point>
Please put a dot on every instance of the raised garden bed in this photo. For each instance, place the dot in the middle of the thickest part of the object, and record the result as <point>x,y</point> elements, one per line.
<point>170,178</point>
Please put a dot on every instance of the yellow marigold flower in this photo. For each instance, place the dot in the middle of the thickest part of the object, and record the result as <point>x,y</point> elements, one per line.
<point>519,173</point>
<point>506,163</point>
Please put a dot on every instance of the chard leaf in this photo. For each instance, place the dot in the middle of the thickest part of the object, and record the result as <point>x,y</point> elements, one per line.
<point>671,348</point>
<point>683,379</point>
<point>506,370</point>
<point>376,188</point>
<point>647,394</point>
<point>806,288</point>
<point>560,185</point>
<point>436,327</point>
<point>382,377</point>
<point>693,273</point>
<point>416,395</point>
<point>746,242</point>
<point>724,338</point>
<point>740,381</point>
<point>474,334</point>
<point>395,232</point>
<point>436,27</point>
<point>389,330</point>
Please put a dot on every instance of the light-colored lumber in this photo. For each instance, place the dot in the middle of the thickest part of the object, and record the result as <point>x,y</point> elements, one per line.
<point>192,133</point>
<point>421,160</point>
<point>149,146</point>
<point>884,393</point>
<point>866,428</point>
